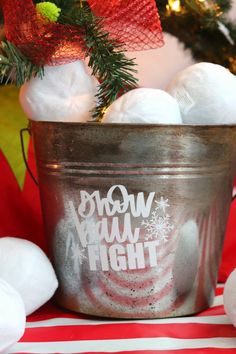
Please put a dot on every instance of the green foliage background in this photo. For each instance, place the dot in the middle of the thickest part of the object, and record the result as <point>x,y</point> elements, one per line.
<point>200,33</point>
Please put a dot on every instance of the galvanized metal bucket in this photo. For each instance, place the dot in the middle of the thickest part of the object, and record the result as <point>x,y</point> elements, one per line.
<point>135,214</point>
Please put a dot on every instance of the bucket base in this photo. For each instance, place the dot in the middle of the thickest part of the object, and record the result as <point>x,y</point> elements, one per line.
<point>186,309</point>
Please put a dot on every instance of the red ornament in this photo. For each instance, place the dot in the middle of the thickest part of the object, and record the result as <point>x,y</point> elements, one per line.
<point>135,23</point>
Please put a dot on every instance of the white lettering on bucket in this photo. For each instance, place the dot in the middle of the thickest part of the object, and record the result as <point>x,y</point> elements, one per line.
<point>122,257</point>
<point>109,206</point>
<point>109,237</point>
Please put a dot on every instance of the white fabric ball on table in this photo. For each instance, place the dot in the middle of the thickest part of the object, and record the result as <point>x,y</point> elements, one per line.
<point>229,297</point>
<point>206,94</point>
<point>186,259</point>
<point>65,93</point>
<point>12,316</point>
<point>142,106</point>
<point>25,267</point>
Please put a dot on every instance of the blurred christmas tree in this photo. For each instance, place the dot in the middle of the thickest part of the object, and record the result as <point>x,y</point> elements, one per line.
<point>201,25</point>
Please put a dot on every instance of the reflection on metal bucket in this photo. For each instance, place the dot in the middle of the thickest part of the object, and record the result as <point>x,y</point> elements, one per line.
<point>135,214</point>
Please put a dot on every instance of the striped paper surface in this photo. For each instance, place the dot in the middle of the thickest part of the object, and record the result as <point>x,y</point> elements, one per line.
<point>53,330</point>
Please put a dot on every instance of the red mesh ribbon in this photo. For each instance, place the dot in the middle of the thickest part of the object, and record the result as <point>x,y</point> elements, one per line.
<point>133,22</point>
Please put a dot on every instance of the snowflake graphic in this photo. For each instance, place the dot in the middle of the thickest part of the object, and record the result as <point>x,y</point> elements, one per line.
<point>162,204</point>
<point>158,226</point>
<point>78,254</point>
<point>74,251</point>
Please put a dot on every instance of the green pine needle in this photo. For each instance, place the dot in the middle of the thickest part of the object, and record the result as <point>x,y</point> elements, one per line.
<point>15,67</point>
<point>106,58</point>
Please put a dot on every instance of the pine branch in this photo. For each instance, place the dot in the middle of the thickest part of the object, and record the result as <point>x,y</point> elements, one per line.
<point>106,58</point>
<point>225,5</point>
<point>15,67</point>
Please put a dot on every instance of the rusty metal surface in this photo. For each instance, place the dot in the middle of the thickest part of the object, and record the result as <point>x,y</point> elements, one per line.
<point>135,214</point>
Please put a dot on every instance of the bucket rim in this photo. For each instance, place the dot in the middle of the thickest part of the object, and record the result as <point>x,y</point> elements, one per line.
<point>136,125</point>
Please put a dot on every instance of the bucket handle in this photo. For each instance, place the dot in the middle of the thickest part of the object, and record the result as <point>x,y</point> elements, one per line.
<point>27,165</point>
<point>22,131</point>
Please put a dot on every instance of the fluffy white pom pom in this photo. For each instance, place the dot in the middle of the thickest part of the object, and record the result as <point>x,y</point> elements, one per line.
<point>206,94</point>
<point>186,257</point>
<point>229,297</point>
<point>144,105</point>
<point>12,316</point>
<point>65,93</point>
<point>25,266</point>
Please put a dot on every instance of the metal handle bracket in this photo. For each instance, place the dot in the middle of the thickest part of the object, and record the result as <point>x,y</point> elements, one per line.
<point>22,131</point>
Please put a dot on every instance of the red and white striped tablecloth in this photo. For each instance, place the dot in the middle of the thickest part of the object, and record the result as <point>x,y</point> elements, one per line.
<point>53,330</point>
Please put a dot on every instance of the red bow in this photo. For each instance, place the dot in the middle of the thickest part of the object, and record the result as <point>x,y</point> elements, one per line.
<point>133,22</point>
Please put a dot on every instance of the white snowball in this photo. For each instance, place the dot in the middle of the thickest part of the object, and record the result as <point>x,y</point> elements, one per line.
<point>65,93</point>
<point>12,316</point>
<point>229,297</point>
<point>186,259</point>
<point>144,105</point>
<point>206,94</point>
<point>25,266</point>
